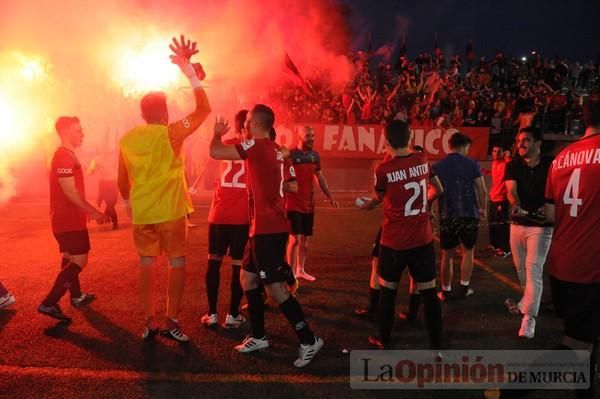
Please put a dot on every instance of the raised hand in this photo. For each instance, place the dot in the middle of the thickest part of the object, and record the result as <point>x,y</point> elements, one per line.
<point>183,50</point>
<point>221,127</point>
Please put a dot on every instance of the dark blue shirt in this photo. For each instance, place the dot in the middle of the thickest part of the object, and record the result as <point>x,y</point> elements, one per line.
<point>457,174</point>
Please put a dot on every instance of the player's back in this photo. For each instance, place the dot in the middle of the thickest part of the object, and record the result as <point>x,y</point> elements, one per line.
<point>406,215</point>
<point>457,173</point>
<point>265,180</point>
<point>574,187</point>
<point>230,199</point>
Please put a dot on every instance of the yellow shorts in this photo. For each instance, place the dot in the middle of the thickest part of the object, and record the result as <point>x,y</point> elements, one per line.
<point>169,238</point>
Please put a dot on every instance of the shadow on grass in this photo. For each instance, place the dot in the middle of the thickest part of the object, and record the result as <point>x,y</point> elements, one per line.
<point>6,316</point>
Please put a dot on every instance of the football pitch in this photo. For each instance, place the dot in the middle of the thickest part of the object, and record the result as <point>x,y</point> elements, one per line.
<point>100,354</point>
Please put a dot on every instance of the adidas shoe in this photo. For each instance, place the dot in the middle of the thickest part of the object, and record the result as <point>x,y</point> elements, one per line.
<point>175,334</point>
<point>234,322</point>
<point>53,311</point>
<point>149,333</point>
<point>209,320</point>
<point>7,300</point>
<point>445,296</point>
<point>84,299</point>
<point>251,344</point>
<point>465,291</point>
<point>501,254</point>
<point>306,353</point>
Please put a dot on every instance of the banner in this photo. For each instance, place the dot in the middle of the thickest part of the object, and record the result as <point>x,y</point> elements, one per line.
<point>368,141</point>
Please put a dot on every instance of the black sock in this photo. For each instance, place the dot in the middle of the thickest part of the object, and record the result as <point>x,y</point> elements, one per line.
<point>62,283</point>
<point>236,291</point>
<point>256,311</point>
<point>213,276</point>
<point>293,312</point>
<point>75,289</point>
<point>385,313</point>
<point>287,271</point>
<point>414,301</point>
<point>373,300</point>
<point>433,317</point>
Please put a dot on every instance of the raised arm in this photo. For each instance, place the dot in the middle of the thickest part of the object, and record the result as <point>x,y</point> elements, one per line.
<point>218,150</point>
<point>180,130</point>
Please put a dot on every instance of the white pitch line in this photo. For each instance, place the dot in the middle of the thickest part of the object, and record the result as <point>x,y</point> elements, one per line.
<point>135,375</point>
<point>498,276</point>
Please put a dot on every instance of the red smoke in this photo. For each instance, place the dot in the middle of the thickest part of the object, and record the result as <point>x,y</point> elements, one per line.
<point>85,45</point>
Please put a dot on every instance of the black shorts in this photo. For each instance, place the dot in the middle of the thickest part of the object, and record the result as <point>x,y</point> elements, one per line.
<point>454,231</point>
<point>265,256</point>
<point>375,250</point>
<point>301,223</point>
<point>420,262</point>
<point>577,304</point>
<point>224,236</point>
<point>73,242</point>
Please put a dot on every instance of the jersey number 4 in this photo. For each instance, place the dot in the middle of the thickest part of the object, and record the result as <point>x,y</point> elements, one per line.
<point>571,195</point>
<point>419,189</point>
<point>234,171</point>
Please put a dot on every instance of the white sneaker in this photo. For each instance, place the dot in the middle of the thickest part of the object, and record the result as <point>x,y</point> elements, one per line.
<point>7,300</point>
<point>234,322</point>
<point>527,329</point>
<point>175,334</point>
<point>251,344</point>
<point>209,319</point>
<point>306,353</point>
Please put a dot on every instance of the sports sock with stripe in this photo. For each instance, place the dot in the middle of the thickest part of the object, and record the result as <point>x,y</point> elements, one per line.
<point>293,312</point>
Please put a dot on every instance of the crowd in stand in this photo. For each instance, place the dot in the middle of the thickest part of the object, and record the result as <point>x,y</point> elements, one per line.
<point>501,93</point>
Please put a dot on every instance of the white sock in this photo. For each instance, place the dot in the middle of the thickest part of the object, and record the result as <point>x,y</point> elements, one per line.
<point>465,283</point>
<point>446,287</point>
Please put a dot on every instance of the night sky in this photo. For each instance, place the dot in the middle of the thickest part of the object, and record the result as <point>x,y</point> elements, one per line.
<point>552,27</point>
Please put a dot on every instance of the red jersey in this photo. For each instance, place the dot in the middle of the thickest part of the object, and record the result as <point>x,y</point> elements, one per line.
<point>306,164</point>
<point>265,181</point>
<point>573,188</point>
<point>65,215</point>
<point>403,180</point>
<point>498,188</point>
<point>230,200</point>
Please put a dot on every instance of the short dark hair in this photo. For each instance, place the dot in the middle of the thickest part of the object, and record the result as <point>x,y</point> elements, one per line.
<point>459,140</point>
<point>153,106</point>
<point>240,119</point>
<point>591,110</point>
<point>264,115</point>
<point>535,133</point>
<point>272,134</point>
<point>397,134</point>
<point>64,122</point>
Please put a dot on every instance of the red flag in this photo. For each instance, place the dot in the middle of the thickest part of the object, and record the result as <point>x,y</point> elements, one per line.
<point>293,69</point>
